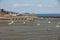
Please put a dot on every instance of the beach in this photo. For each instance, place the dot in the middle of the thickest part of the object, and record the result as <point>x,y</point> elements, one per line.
<point>41,29</point>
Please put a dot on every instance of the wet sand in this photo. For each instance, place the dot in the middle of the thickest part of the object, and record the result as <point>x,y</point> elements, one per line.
<point>31,31</point>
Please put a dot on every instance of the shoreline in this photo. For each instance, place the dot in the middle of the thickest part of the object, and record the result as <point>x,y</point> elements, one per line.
<point>48,16</point>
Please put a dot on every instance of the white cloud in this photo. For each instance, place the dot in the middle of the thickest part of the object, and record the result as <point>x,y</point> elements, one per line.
<point>15,5</point>
<point>19,5</point>
<point>34,5</point>
<point>39,5</point>
<point>50,6</point>
<point>47,5</point>
<point>26,5</point>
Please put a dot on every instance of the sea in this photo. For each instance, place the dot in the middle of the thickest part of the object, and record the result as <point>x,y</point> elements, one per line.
<point>41,29</point>
<point>49,14</point>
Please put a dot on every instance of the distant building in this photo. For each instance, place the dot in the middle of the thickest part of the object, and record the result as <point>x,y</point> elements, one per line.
<point>7,13</point>
<point>13,16</point>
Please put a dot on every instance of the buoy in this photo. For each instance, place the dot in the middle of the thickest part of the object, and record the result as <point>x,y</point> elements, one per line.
<point>57,26</point>
<point>38,24</point>
<point>11,22</point>
<point>23,22</point>
<point>49,21</point>
<point>41,18</point>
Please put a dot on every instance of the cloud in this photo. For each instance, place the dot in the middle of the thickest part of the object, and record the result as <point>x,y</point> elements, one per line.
<point>27,5</point>
<point>50,6</point>
<point>16,5</point>
<point>20,5</point>
<point>39,5</point>
<point>34,5</point>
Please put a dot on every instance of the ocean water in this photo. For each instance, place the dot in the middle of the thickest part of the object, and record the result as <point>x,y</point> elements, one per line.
<point>48,14</point>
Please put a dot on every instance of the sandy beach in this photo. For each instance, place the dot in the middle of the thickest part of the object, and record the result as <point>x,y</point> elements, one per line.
<point>49,29</point>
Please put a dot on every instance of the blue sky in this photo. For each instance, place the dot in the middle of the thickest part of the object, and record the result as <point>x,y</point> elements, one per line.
<point>37,6</point>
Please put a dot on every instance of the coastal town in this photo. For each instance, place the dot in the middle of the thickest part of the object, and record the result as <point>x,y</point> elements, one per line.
<point>13,16</point>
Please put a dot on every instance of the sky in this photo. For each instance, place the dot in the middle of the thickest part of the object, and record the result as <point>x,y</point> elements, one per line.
<point>36,6</point>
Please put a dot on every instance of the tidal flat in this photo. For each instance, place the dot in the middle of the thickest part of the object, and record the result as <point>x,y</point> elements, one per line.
<point>41,29</point>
